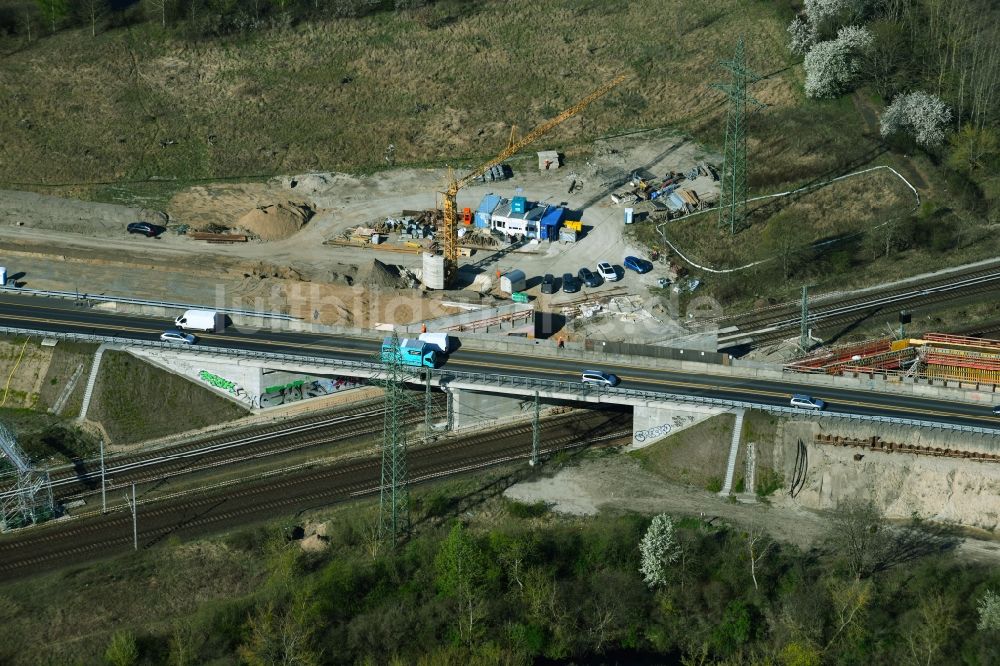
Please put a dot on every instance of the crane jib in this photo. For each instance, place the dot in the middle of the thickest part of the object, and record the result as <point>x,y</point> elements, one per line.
<point>450,197</point>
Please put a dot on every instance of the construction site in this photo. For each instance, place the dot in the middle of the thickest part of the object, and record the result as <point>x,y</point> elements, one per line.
<point>934,356</point>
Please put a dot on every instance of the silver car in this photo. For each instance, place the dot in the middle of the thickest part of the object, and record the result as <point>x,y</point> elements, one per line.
<point>807,402</point>
<point>600,378</point>
<point>178,336</point>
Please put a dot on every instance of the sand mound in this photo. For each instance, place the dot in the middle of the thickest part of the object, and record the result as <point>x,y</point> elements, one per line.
<point>381,276</point>
<point>276,221</point>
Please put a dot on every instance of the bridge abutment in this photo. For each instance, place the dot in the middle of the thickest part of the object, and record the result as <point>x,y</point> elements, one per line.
<point>652,421</point>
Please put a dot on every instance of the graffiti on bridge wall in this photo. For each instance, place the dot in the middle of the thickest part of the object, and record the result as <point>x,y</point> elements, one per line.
<point>652,433</point>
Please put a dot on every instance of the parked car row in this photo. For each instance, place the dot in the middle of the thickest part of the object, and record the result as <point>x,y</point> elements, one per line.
<point>605,272</point>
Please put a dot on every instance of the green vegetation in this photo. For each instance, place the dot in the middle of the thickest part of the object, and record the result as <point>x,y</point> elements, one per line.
<point>48,438</point>
<point>135,401</point>
<point>769,481</point>
<point>527,510</point>
<point>493,590</point>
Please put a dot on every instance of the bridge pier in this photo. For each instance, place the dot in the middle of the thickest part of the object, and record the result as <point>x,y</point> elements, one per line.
<point>469,408</point>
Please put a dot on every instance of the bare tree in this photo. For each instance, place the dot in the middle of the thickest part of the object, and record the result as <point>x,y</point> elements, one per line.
<point>281,638</point>
<point>26,21</point>
<point>849,602</point>
<point>787,240</point>
<point>935,624</point>
<point>158,8</point>
<point>758,546</point>
<point>860,532</point>
<point>94,10</point>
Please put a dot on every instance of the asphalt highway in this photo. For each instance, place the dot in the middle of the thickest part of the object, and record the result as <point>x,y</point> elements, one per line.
<point>65,316</point>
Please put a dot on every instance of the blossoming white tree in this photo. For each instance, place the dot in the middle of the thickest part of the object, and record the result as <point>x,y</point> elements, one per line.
<point>920,114</point>
<point>802,36</point>
<point>659,549</point>
<point>989,611</point>
<point>832,67</point>
<point>820,11</point>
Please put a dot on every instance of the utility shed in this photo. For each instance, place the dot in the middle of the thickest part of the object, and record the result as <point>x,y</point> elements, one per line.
<point>552,217</point>
<point>485,210</point>
<point>548,159</point>
<point>512,281</point>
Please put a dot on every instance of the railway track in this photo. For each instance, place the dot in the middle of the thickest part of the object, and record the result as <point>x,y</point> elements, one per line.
<point>92,537</point>
<point>773,324</point>
<point>248,444</point>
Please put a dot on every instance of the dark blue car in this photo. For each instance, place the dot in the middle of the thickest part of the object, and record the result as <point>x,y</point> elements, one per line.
<point>638,265</point>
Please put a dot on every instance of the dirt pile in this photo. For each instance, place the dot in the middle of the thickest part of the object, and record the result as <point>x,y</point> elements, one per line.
<point>381,276</point>
<point>261,270</point>
<point>275,221</point>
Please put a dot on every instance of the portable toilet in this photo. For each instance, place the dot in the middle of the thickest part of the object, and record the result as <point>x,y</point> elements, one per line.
<point>629,215</point>
<point>3,276</point>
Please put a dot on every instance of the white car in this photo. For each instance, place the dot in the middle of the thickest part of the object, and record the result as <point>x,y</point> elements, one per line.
<point>607,271</point>
<point>178,336</point>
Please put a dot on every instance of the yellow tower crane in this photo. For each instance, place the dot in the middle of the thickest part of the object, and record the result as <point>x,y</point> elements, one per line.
<point>450,203</point>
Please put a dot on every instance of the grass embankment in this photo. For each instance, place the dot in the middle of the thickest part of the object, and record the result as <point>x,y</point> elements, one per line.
<point>32,379</point>
<point>694,456</point>
<point>135,401</point>
<point>697,456</point>
<point>333,95</point>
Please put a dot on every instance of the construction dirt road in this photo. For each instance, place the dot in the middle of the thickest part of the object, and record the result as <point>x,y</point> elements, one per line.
<point>54,243</point>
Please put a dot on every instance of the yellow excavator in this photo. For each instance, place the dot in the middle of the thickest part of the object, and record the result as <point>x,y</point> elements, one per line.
<point>450,204</point>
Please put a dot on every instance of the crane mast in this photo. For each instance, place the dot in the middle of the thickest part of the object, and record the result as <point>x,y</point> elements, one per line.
<point>451,196</point>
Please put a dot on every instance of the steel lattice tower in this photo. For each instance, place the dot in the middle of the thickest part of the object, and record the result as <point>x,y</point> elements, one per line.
<point>30,499</point>
<point>733,197</point>
<point>394,500</point>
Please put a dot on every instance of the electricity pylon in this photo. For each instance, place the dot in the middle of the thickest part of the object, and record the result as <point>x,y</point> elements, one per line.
<point>394,500</point>
<point>733,197</point>
<point>30,499</point>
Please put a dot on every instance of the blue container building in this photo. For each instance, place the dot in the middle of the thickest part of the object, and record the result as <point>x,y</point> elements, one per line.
<point>485,211</point>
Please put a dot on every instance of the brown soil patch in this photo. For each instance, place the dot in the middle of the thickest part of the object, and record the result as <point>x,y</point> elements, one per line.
<point>274,222</point>
<point>22,373</point>
<point>378,275</point>
<point>255,207</point>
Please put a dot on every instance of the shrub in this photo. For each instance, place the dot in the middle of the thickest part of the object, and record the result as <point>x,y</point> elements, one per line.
<point>527,509</point>
<point>989,611</point>
<point>768,481</point>
<point>122,650</point>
